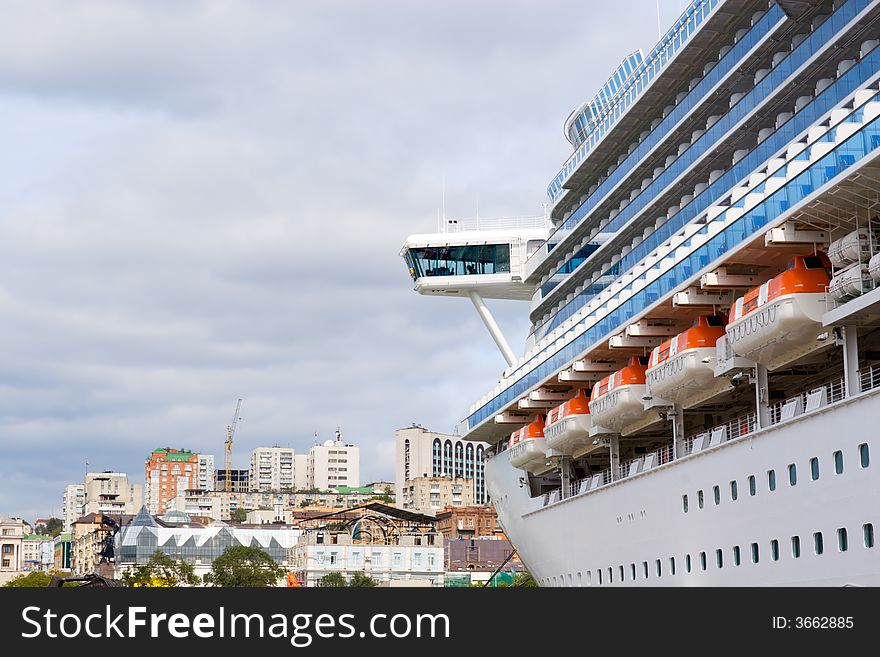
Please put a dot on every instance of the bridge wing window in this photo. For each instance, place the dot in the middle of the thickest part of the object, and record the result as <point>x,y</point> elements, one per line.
<point>459,260</point>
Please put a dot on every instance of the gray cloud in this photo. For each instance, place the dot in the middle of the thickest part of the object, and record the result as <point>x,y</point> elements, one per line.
<point>206,200</point>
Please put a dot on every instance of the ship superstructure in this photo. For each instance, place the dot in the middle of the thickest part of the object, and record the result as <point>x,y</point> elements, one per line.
<point>696,397</point>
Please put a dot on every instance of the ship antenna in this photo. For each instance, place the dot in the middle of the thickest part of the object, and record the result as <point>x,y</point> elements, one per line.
<point>659,34</point>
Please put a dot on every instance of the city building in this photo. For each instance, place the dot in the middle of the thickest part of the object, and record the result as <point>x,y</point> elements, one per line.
<point>167,472</point>
<point>300,471</point>
<point>469,522</point>
<point>111,493</point>
<point>394,547</point>
<point>424,453</point>
<point>382,487</point>
<point>206,474</point>
<point>198,544</point>
<point>72,503</point>
<point>433,494</point>
<point>240,480</point>
<point>479,554</point>
<point>334,463</point>
<point>12,530</point>
<point>62,552</point>
<point>88,539</point>
<point>37,552</point>
<point>272,469</point>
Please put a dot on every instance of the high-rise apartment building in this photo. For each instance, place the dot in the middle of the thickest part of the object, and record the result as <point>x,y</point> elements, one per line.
<point>169,472</point>
<point>335,463</point>
<point>72,503</point>
<point>427,455</point>
<point>111,493</point>
<point>205,477</point>
<point>272,469</point>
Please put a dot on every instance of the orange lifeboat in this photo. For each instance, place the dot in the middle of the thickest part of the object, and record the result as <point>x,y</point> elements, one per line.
<point>528,447</point>
<point>681,370</point>
<point>568,426</point>
<point>778,322</point>
<point>616,404</point>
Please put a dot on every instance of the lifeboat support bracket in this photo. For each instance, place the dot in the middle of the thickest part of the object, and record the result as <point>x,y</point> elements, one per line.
<point>762,396</point>
<point>847,337</point>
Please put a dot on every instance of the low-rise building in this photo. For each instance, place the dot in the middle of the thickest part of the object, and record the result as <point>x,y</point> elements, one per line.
<point>88,539</point>
<point>37,552</point>
<point>196,543</point>
<point>480,554</point>
<point>392,546</point>
<point>62,552</point>
<point>469,522</point>
<point>12,530</point>
<point>433,494</point>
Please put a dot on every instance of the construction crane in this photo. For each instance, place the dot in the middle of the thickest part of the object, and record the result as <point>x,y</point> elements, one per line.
<point>230,432</point>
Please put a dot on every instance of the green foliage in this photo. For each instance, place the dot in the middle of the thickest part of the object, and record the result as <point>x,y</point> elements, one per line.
<point>161,570</point>
<point>385,499</point>
<point>239,515</point>
<point>360,579</point>
<point>52,528</point>
<point>333,580</point>
<point>522,580</point>
<point>245,567</point>
<point>36,579</point>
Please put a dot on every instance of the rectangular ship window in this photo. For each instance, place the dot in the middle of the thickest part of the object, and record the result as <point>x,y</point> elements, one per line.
<point>755,553</point>
<point>814,468</point>
<point>796,546</point>
<point>774,550</point>
<point>684,503</point>
<point>771,480</point>
<point>733,492</point>
<point>687,562</point>
<point>702,561</point>
<point>657,564</point>
<point>868,531</point>
<point>818,543</point>
<point>672,565</point>
<point>842,540</point>
<point>719,558</point>
<point>792,474</point>
<point>838,462</point>
<point>717,493</point>
<point>752,488</point>
<point>700,499</point>
<point>737,557</point>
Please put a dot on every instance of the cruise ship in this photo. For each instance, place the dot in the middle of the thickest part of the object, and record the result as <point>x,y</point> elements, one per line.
<point>696,400</point>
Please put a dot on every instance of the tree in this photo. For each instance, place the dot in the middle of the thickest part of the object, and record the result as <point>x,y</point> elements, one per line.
<point>386,499</point>
<point>360,579</point>
<point>161,570</point>
<point>239,515</point>
<point>521,580</point>
<point>52,527</point>
<point>244,566</point>
<point>333,580</point>
<point>36,579</point>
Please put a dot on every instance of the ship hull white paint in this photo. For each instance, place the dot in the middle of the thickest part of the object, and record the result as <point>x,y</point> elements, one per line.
<point>641,519</point>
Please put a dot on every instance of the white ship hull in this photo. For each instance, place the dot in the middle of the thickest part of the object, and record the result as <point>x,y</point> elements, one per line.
<point>640,519</point>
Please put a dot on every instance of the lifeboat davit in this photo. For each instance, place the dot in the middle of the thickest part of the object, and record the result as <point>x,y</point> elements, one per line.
<point>681,370</point>
<point>528,447</point>
<point>568,426</point>
<point>617,404</point>
<point>778,322</point>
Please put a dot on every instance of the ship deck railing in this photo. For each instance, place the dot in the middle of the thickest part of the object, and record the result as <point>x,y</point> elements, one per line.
<point>828,393</point>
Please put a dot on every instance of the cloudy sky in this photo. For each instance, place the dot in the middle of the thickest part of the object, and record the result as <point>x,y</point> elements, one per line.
<point>202,201</point>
